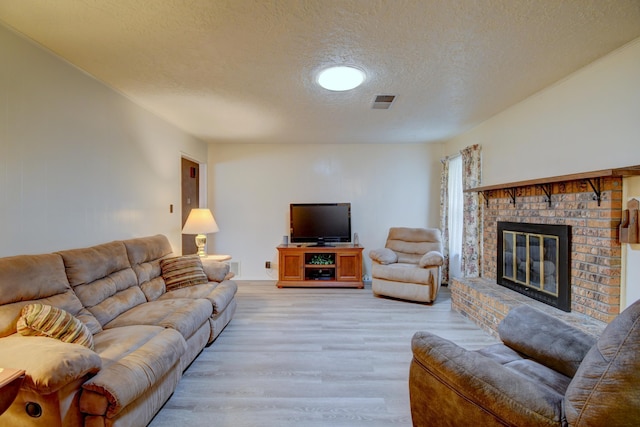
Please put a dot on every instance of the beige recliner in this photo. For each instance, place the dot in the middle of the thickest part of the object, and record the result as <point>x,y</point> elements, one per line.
<point>409,267</point>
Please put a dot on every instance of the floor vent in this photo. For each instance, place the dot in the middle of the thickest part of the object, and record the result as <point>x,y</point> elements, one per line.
<point>383,102</point>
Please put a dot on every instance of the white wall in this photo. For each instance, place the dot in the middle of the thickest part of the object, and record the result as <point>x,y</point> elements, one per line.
<point>251,187</point>
<point>79,163</point>
<point>587,122</point>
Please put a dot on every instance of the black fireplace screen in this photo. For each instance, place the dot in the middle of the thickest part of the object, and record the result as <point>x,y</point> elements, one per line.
<point>533,259</point>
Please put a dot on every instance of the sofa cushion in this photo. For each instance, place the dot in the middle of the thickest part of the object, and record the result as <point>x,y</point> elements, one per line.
<point>47,321</point>
<point>219,294</point>
<point>546,339</point>
<point>606,387</point>
<point>26,279</point>
<point>145,254</point>
<point>182,314</point>
<point>407,273</point>
<point>179,272</point>
<point>527,368</point>
<point>135,359</point>
<point>103,280</point>
<point>145,249</point>
<point>410,244</point>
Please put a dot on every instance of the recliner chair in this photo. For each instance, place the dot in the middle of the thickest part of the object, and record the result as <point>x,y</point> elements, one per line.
<point>544,373</point>
<point>409,267</point>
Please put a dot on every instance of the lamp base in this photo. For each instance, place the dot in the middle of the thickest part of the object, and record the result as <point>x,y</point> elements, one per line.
<point>201,243</point>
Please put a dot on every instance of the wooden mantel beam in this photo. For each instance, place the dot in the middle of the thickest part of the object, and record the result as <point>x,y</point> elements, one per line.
<point>628,171</point>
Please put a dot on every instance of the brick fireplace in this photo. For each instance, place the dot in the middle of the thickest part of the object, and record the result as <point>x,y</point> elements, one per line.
<point>592,208</point>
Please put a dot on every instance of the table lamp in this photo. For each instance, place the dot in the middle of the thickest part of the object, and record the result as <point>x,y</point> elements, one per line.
<point>200,222</point>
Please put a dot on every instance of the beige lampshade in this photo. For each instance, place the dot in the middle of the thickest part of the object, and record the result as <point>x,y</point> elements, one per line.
<point>200,221</point>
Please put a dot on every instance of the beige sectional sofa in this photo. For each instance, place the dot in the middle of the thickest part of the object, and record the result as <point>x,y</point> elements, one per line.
<point>143,336</point>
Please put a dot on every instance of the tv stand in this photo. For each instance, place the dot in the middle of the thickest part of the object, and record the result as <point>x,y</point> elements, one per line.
<point>320,266</point>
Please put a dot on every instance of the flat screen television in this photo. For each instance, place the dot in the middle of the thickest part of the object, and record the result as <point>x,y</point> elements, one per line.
<point>320,223</point>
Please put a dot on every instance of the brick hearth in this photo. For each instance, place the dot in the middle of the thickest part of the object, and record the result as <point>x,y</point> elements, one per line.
<point>595,251</point>
<point>486,304</point>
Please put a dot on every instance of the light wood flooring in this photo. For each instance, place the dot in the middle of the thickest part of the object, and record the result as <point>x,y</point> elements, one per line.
<point>311,357</point>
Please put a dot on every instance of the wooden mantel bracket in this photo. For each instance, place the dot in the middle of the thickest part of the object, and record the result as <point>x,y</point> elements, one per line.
<point>512,193</point>
<point>547,191</point>
<point>485,195</point>
<point>596,189</point>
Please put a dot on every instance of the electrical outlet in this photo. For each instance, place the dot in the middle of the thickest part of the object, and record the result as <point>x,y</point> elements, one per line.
<point>267,264</point>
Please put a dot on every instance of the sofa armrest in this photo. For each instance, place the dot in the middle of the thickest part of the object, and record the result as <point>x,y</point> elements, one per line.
<point>431,259</point>
<point>383,256</point>
<point>545,339</point>
<point>49,364</point>
<point>216,271</point>
<point>469,387</point>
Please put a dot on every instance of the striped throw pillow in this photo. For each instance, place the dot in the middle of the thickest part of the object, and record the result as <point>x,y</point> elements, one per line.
<point>180,272</point>
<point>47,321</point>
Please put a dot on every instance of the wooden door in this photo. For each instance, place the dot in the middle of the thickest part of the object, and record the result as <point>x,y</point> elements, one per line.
<point>190,200</point>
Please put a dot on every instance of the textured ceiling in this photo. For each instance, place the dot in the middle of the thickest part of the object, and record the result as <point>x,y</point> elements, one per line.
<point>244,70</point>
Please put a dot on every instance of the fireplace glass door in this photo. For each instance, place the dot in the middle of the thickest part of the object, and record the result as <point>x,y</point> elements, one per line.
<point>531,260</point>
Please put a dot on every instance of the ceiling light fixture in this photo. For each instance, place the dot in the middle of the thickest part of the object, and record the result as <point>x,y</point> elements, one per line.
<point>341,78</point>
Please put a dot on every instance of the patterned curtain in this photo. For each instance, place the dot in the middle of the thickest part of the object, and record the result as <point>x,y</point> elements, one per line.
<point>444,216</point>
<point>472,228</point>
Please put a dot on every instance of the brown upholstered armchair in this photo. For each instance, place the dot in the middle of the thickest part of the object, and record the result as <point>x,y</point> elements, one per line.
<point>544,373</point>
<point>409,267</point>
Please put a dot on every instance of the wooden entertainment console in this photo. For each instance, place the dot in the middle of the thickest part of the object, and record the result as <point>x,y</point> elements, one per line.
<point>320,266</point>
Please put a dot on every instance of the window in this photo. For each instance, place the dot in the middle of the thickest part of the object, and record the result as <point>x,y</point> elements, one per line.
<point>455,217</point>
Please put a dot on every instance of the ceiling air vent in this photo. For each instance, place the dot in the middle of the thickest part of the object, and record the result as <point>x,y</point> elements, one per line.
<point>383,102</point>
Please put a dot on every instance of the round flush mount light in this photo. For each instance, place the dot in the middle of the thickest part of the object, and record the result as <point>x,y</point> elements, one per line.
<point>340,78</point>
